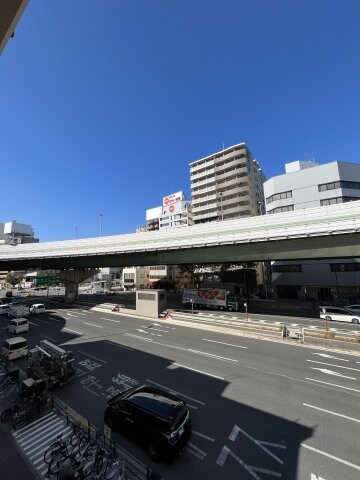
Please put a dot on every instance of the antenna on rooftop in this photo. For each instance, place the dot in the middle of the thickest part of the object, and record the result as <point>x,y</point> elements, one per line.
<point>223,145</point>
<point>312,154</point>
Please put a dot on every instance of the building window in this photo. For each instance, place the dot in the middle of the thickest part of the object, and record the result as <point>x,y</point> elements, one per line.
<point>287,268</point>
<point>287,208</point>
<point>339,184</point>
<point>332,201</point>
<point>279,196</point>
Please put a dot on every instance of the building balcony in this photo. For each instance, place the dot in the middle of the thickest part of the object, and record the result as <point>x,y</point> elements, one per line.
<point>205,173</point>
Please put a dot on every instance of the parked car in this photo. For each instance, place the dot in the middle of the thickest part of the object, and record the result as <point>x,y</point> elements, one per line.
<point>354,308</point>
<point>339,314</point>
<point>154,418</point>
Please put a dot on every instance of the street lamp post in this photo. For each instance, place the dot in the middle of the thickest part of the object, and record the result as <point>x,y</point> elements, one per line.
<point>221,206</point>
<point>263,263</point>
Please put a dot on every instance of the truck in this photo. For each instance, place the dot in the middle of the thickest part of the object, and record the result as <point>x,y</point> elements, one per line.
<point>213,298</point>
<point>50,363</point>
<point>18,311</point>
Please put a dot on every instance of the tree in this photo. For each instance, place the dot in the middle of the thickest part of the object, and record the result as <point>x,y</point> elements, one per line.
<point>13,278</point>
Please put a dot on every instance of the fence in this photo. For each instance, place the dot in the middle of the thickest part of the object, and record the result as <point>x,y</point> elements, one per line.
<point>135,470</point>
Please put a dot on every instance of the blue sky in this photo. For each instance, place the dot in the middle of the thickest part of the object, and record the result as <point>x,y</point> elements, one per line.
<point>104,104</point>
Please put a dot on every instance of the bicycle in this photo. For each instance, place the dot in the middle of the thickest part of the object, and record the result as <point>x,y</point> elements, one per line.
<point>70,457</point>
<point>19,419</point>
<point>59,447</point>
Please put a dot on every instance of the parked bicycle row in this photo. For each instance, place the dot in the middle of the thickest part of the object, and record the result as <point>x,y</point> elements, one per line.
<point>79,456</point>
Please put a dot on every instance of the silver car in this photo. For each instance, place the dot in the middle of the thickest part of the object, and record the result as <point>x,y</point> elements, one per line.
<point>339,314</point>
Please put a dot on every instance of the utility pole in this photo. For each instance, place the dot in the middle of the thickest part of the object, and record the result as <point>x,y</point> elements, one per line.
<point>101,216</point>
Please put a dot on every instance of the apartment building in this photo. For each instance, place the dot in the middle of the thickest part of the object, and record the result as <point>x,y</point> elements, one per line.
<point>307,184</point>
<point>227,184</point>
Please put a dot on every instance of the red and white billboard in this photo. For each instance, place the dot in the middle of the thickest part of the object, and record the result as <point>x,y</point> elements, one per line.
<point>176,208</point>
<point>173,198</point>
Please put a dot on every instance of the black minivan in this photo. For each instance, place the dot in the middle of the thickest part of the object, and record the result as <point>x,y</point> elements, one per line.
<point>152,417</point>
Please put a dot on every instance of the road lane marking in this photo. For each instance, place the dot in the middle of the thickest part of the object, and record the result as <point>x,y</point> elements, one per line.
<point>197,455</point>
<point>337,459</point>
<point>225,452</point>
<point>197,449</point>
<point>49,338</point>
<point>110,320</point>
<point>35,324</point>
<point>194,432</point>
<point>332,365</point>
<point>176,392</point>
<point>330,356</point>
<point>113,344</point>
<point>332,413</point>
<point>92,325</point>
<point>198,371</point>
<point>53,318</point>
<point>71,315</point>
<point>72,331</point>
<point>138,336</point>
<point>331,372</point>
<point>92,356</point>
<point>212,355</point>
<point>333,384</point>
<point>234,433</point>
<point>223,343</point>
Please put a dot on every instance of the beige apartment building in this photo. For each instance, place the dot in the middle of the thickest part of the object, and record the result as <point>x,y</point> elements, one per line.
<point>227,184</point>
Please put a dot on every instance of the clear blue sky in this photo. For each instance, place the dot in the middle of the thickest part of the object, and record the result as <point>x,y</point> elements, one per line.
<point>103,104</point>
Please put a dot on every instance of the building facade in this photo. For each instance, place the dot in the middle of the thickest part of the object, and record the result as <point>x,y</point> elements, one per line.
<point>307,184</point>
<point>225,185</point>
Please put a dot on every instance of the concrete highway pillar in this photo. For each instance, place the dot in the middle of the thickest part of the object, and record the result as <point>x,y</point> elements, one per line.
<point>71,280</point>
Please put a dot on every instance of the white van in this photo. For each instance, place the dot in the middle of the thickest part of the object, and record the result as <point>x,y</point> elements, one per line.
<point>4,309</point>
<point>37,308</point>
<point>18,325</point>
<point>339,314</point>
<point>15,347</point>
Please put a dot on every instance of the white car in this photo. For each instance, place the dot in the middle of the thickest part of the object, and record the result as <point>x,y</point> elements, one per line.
<point>339,314</point>
<point>37,308</point>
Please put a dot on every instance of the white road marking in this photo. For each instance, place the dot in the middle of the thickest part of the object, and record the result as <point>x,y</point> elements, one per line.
<point>212,355</point>
<point>337,459</point>
<point>331,372</point>
<point>198,371</point>
<point>332,365</point>
<point>35,324</point>
<point>225,452</point>
<point>92,356</point>
<point>332,413</point>
<point>92,325</point>
<point>333,384</point>
<point>261,445</point>
<point>110,320</point>
<point>160,330</point>
<point>176,392</point>
<point>197,455</point>
<point>270,444</point>
<point>113,344</point>
<point>71,315</point>
<point>88,311</point>
<point>53,318</point>
<point>194,432</point>
<point>49,338</point>
<point>72,331</point>
<point>315,477</point>
<point>223,343</point>
<point>197,449</point>
<point>331,356</point>
<point>137,336</point>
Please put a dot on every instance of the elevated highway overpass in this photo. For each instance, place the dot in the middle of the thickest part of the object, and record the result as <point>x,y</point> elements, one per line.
<point>314,233</point>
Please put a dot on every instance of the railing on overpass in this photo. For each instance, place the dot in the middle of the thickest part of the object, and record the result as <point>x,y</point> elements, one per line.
<point>321,221</point>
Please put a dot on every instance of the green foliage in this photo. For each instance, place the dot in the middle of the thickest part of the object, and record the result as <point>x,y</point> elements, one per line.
<point>13,278</point>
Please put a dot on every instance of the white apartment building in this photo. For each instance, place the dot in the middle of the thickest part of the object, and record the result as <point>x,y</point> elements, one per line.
<point>307,184</point>
<point>226,184</point>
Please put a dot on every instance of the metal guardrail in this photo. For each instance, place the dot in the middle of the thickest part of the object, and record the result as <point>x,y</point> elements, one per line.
<point>134,469</point>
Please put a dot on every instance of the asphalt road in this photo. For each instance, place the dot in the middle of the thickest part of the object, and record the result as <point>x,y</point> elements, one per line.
<point>259,409</point>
